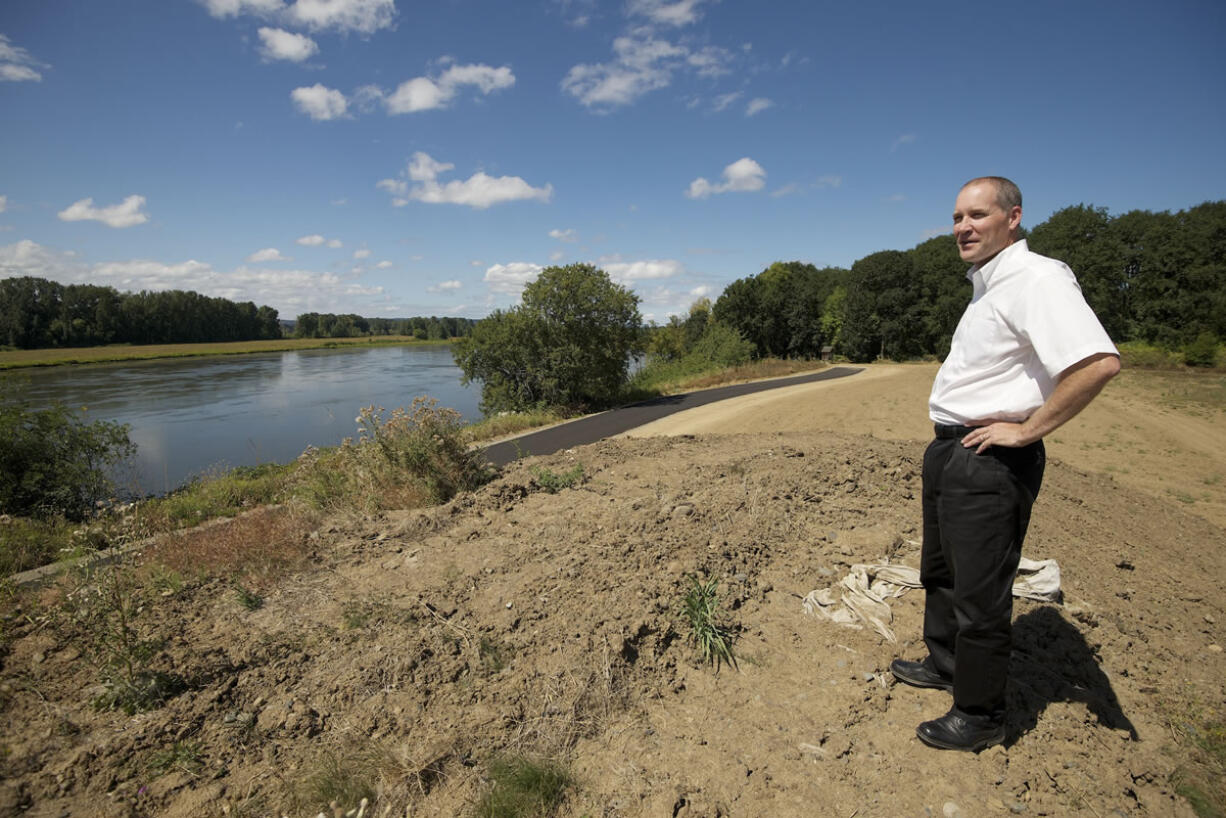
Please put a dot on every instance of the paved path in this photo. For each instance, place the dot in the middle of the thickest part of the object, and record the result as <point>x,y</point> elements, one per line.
<point>615,421</point>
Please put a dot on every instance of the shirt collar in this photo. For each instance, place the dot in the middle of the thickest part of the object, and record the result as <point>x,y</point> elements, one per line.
<point>986,270</point>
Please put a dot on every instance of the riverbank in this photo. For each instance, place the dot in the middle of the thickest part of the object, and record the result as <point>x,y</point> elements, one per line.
<point>21,358</point>
<point>406,656</point>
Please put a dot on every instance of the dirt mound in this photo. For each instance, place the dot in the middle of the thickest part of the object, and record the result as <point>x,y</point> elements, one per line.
<point>515,620</point>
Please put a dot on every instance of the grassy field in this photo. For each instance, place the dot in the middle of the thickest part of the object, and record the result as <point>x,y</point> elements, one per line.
<point>18,358</point>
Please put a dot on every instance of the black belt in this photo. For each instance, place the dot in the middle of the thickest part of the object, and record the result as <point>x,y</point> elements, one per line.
<point>951,432</point>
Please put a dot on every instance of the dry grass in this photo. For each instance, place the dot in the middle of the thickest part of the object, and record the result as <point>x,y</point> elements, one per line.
<point>256,549</point>
<point>18,358</point>
<point>756,370</point>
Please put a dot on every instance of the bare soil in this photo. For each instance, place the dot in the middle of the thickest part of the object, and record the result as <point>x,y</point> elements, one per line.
<point>422,644</point>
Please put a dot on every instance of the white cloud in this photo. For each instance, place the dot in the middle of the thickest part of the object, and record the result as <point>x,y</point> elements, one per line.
<point>365,16</point>
<point>383,265</point>
<point>478,191</point>
<point>289,291</point>
<point>280,44</point>
<point>319,102</point>
<point>125,214</point>
<point>267,254</point>
<point>897,197</point>
<point>701,291</point>
<point>18,73</point>
<point>444,286</point>
<point>678,13</point>
<point>828,181</point>
<point>568,235</point>
<point>742,176</point>
<point>786,190</point>
<point>334,243</point>
<point>314,240</point>
<point>16,64</point>
<point>758,105</point>
<point>711,61</point>
<point>557,255</point>
<point>363,253</point>
<point>723,101</point>
<point>641,64</point>
<point>511,278</point>
<point>425,93</point>
<point>4,203</point>
<point>905,139</point>
<point>233,8</point>
<point>641,270</point>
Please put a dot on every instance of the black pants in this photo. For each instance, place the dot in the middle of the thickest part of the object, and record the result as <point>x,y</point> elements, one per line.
<point>976,511</point>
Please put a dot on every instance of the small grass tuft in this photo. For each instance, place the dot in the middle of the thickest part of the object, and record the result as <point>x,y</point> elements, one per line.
<point>701,608</point>
<point>553,482</point>
<point>247,598</point>
<point>182,756</point>
<point>521,787</point>
<point>339,781</point>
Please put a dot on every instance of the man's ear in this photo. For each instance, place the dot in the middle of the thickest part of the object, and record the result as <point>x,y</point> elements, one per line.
<point>1015,218</point>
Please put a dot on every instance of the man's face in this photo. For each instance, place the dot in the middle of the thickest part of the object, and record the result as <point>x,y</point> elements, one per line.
<point>981,227</point>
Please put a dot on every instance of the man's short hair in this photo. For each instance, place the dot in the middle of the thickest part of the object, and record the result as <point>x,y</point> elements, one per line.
<point>1008,195</point>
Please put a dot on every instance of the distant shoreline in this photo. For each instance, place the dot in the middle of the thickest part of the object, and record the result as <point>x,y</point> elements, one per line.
<point>26,358</point>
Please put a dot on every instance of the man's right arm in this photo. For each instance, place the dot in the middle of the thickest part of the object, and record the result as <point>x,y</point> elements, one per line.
<point>1078,385</point>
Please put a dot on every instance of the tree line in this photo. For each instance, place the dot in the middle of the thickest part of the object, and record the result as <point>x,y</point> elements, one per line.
<point>1153,277</point>
<point>330,325</point>
<point>36,313</point>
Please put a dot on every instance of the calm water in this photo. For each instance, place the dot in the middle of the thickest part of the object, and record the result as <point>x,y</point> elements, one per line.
<point>191,416</point>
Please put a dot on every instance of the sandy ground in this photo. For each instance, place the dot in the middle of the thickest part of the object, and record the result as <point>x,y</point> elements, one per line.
<point>422,644</point>
<point>1170,451</point>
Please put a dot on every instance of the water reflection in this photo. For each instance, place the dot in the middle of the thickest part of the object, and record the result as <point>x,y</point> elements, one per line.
<point>189,416</point>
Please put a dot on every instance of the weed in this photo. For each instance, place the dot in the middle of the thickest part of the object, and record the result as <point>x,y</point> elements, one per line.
<point>166,581</point>
<point>355,615</point>
<point>1200,779</point>
<point>523,788</point>
<point>553,482</point>
<point>183,756</point>
<point>107,609</point>
<point>493,655</point>
<point>247,598</point>
<point>701,608</point>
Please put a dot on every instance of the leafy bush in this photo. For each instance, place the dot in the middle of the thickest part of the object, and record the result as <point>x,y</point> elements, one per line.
<point>1142,355</point>
<point>1202,351</point>
<point>52,462</point>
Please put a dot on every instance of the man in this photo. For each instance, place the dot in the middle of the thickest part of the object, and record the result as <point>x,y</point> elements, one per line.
<point>1027,356</point>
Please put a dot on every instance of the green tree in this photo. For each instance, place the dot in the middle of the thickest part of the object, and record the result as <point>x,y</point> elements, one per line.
<point>568,344</point>
<point>882,315</point>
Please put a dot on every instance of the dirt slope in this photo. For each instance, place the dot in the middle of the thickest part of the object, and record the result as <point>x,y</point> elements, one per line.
<point>518,620</point>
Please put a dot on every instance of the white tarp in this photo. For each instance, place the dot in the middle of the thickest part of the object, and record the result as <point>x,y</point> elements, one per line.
<point>860,598</point>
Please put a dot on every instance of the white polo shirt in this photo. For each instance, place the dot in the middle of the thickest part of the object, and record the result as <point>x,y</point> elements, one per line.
<point>1027,322</point>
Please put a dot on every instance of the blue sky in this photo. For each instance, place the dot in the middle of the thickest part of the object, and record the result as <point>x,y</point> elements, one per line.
<point>392,158</point>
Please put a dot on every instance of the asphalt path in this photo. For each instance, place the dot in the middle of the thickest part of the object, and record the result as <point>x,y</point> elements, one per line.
<point>615,421</point>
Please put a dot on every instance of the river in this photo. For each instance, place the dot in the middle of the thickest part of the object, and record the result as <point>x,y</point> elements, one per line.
<point>193,416</point>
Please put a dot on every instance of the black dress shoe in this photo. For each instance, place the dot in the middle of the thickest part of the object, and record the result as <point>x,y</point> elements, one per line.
<point>956,732</point>
<point>919,674</point>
